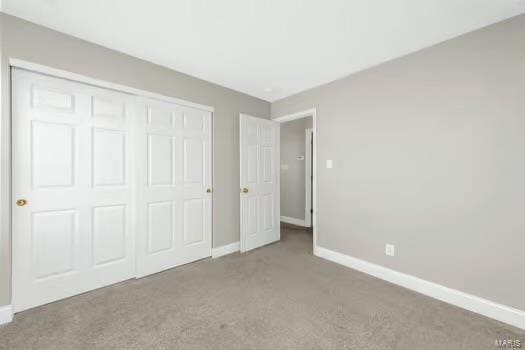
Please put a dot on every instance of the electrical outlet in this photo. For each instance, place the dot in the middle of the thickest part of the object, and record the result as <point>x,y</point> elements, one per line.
<point>329,164</point>
<point>390,249</point>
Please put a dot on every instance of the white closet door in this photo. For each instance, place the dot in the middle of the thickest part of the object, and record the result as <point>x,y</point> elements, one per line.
<point>259,142</point>
<point>72,164</point>
<point>174,198</point>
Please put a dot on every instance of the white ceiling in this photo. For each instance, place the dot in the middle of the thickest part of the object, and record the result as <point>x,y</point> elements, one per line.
<point>266,48</point>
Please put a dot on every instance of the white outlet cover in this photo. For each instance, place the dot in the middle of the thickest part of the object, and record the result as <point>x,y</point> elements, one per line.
<point>390,249</point>
<point>329,164</point>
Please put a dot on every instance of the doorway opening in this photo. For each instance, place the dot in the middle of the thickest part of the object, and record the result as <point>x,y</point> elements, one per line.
<point>297,175</point>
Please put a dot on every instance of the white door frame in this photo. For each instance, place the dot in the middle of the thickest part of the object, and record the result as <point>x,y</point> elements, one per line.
<point>312,112</point>
<point>59,73</point>
<point>308,140</point>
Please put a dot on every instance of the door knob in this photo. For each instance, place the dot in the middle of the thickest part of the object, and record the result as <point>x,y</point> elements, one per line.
<point>21,202</point>
<point>208,190</point>
<point>245,190</point>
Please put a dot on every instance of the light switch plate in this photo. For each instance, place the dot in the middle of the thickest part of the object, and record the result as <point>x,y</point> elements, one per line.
<point>329,164</point>
<point>390,249</point>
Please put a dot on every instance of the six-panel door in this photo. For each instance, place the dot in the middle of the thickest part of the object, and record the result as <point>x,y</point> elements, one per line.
<point>259,182</point>
<point>72,164</point>
<point>78,156</point>
<point>174,185</point>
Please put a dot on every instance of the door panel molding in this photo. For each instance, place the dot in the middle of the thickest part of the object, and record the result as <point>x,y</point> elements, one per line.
<point>94,114</point>
<point>175,166</point>
<point>76,232</point>
<point>259,182</point>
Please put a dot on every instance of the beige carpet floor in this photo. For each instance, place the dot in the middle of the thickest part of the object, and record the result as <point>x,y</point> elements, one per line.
<point>276,297</point>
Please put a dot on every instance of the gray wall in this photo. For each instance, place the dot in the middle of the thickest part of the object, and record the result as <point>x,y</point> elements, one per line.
<point>27,41</point>
<point>293,141</point>
<point>429,155</point>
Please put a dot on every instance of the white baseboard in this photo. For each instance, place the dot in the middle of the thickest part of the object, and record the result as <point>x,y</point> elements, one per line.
<point>6,314</point>
<point>470,302</point>
<point>293,221</point>
<point>225,249</point>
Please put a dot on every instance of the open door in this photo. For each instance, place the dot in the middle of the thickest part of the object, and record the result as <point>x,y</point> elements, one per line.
<point>259,185</point>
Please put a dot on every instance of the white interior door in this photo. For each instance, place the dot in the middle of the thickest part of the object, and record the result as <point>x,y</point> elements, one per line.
<point>73,166</point>
<point>259,143</point>
<point>174,181</point>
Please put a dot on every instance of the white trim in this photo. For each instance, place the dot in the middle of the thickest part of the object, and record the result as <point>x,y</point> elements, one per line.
<point>225,249</point>
<point>294,221</point>
<point>287,118</point>
<point>308,138</point>
<point>466,301</point>
<point>59,73</point>
<point>312,112</point>
<point>6,314</point>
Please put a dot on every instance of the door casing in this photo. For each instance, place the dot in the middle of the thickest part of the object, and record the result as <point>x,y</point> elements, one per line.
<point>308,173</point>
<point>312,112</point>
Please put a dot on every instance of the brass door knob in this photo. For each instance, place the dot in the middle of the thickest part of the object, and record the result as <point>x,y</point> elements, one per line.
<point>21,202</point>
<point>208,190</point>
<point>245,190</point>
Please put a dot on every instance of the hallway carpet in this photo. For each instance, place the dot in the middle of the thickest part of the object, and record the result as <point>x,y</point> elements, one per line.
<point>275,297</point>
